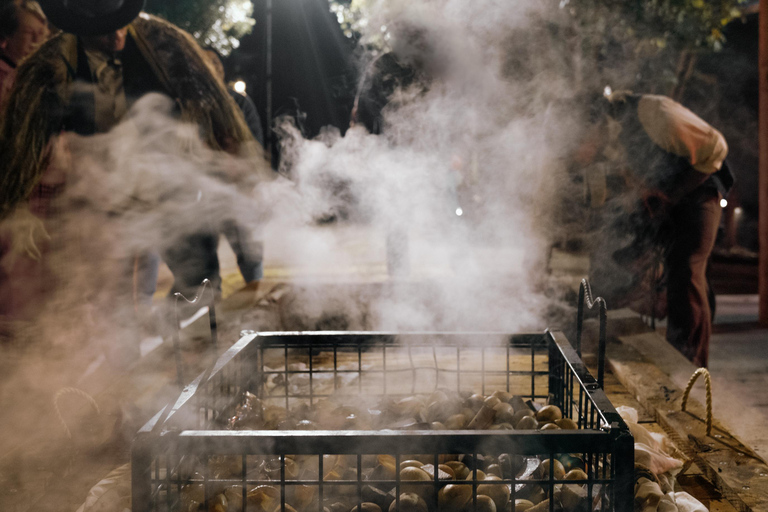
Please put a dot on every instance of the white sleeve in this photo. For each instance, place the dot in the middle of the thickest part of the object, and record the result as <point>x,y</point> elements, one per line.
<point>679,131</point>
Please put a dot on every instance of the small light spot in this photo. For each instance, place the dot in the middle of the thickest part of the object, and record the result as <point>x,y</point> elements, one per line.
<point>738,210</point>
<point>240,87</point>
<point>723,203</point>
<point>459,212</point>
<point>607,91</point>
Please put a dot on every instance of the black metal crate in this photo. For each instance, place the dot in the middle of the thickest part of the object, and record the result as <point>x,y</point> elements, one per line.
<point>189,452</point>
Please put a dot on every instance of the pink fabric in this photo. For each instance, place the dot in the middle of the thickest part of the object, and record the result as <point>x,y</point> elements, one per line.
<point>25,282</point>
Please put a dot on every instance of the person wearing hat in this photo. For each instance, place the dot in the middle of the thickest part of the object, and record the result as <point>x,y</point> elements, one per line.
<point>84,80</point>
<point>677,174</point>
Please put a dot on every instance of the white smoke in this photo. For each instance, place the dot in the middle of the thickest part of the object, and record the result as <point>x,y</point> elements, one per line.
<point>486,138</point>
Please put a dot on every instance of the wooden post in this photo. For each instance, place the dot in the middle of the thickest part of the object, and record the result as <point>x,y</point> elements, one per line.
<point>763,167</point>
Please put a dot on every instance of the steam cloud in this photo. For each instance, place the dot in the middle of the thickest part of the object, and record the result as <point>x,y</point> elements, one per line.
<point>489,137</point>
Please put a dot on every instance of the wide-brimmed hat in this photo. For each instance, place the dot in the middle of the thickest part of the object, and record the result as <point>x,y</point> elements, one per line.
<point>91,17</point>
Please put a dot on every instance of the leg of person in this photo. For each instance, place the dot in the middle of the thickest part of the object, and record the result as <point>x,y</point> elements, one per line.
<point>191,260</point>
<point>146,268</point>
<point>249,251</point>
<point>689,326</point>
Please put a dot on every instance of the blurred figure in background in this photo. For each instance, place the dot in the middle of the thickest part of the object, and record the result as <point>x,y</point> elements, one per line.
<point>23,28</point>
<point>248,250</point>
<point>675,171</point>
<point>251,114</point>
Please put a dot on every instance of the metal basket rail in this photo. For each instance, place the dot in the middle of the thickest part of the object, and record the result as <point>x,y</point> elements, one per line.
<point>198,299</point>
<point>585,297</point>
<point>192,428</point>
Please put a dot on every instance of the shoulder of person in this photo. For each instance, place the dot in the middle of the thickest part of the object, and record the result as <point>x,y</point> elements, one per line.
<point>156,29</point>
<point>664,107</point>
<point>56,58</point>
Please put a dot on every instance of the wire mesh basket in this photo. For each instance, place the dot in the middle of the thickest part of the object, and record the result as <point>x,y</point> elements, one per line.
<point>188,458</point>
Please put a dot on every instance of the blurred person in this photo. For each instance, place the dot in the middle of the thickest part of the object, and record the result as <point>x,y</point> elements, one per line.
<point>412,64</point>
<point>675,171</point>
<point>83,81</point>
<point>23,28</point>
<point>251,114</point>
<point>417,62</point>
<point>247,249</point>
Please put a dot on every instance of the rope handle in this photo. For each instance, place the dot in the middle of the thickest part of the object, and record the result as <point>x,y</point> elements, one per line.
<point>708,384</point>
<point>72,391</point>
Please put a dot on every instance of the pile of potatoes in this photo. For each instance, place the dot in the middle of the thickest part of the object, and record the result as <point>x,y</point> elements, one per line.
<point>440,410</point>
<point>458,475</point>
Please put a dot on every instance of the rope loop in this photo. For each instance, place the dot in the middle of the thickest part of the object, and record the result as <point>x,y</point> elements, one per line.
<point>708,384</point>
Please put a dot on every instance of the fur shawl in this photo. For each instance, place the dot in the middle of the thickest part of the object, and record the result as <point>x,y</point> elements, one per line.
<point>38,102</point>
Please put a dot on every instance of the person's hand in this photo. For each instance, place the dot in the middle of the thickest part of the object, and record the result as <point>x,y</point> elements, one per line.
<point>26,233</point>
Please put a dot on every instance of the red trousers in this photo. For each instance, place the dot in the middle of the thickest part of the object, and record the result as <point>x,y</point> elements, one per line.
<point>694,222</point>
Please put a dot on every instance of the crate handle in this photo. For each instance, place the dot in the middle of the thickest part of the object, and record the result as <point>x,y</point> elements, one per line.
<point>177,332</point>
<point>585,297</point>
<point>708,385</point>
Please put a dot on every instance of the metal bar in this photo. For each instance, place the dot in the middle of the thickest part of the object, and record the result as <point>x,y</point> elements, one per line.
<point>206,477</point>
<point>585,297</point>
<point>458,370</point>
<point>622,463</point>
<point>243,480</point>
<point>360,377</point>
<point>285,373</point>
<point>555,369</point>
<point>258,442</point>
<point>212,322</point>
<point>508,374</point>
<point>482,370</point>
<point>437,369</point>
<point>321,471</point>
<point>360,482</point>
<point>551,482</point>
<point>384,366</point>
<point>533,369</point>
<point>311,383</point>
<point>335,369</point>
<point>141,476</point>
<point>413,370</point>
<point>282,483</point>
<point>177,350</point>
<point>167,479</point>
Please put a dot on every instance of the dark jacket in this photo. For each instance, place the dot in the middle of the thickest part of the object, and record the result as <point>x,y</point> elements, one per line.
<point>158,57</point>
<point>660,169</point>
<point>250,113</point>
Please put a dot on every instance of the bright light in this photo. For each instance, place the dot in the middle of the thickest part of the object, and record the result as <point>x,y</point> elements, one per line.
<point>239,11</point>
<point>738,210</point>
<point>607,91</point>
<point>723,203</point>
<point>459,212</point>
<point>240,87</point>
